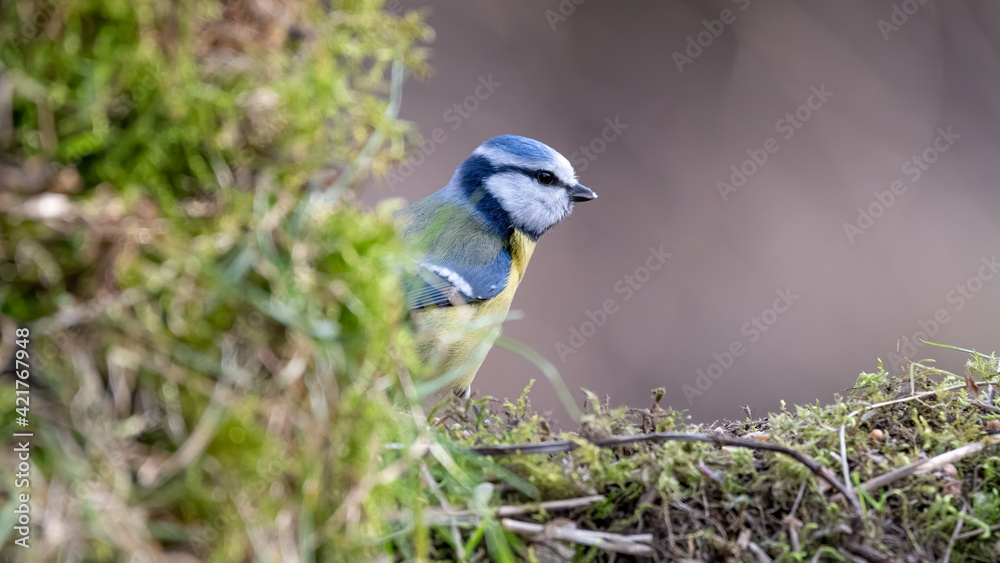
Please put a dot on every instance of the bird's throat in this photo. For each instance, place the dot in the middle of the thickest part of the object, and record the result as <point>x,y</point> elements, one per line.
<point>521,248</point>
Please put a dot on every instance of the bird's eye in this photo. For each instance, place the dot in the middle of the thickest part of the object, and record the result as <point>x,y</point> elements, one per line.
<point>545,178</point>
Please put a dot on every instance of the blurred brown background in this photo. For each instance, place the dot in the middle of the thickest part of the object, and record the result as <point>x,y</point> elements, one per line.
<point>885,82</point>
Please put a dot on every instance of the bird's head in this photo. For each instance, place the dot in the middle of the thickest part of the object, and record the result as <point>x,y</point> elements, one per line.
<point>521,181</point>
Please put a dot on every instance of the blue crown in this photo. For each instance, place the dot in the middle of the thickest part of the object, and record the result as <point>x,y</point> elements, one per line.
<point>521,146</point>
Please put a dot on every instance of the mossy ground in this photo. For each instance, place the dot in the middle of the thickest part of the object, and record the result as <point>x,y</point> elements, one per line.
<point>706,502</point>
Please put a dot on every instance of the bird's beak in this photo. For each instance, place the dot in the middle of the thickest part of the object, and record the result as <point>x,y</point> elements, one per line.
<point>579,192</point>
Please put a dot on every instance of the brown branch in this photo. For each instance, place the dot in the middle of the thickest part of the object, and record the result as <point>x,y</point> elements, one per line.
<point>558,446</point>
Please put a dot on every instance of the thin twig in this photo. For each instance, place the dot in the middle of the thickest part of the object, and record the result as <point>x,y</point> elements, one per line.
<point>472,517</point>
<point>859,553</point>
<point>84,312</point>
<point>791,521</point>
<point>911,398</point>
<point>954,536</point>
<point>456,536</point>
<point>563,504</point>
<point>843,460</point>
<point>866,553</point>
<point>759,553</point>
<point>152,473</point>
<point>633,545</point>
<point>557,446</point>
<point>984,406</point>
<point>926,465</point>
<point>977,532</point>
<point>349,510</point>
<point>798,498</point>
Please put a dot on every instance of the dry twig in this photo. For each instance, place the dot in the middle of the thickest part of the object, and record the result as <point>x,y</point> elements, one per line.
<point>954,535</point>
<point>557,446</point>
<point>977,532</point>
<point>843,460</point>
<point>912,397</point>
<point>472,517</point>
<point>985,407</point>
<point>636,544</point>
<point>926,465</point>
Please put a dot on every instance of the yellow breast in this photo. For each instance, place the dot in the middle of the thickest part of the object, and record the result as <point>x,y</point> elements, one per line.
<point>455,340</point>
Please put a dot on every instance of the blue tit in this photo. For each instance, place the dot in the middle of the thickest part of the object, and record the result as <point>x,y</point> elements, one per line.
<point>475,237</point>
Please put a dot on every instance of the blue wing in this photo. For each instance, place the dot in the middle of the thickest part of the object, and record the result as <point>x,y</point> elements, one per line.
<point>463,260</point>
<point>445,283</point>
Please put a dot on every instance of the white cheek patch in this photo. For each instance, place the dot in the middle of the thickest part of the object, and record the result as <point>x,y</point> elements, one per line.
<point>531,206</point>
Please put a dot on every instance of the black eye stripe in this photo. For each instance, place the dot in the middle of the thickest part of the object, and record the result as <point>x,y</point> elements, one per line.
<point>531,173</point>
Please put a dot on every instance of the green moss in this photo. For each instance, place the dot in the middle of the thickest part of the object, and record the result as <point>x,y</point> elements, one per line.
<point>212,354</point>
<point>712,496</point>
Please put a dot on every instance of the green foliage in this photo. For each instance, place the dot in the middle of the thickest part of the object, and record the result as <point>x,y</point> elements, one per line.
<point>210,348</point>
<point>879,378</point>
